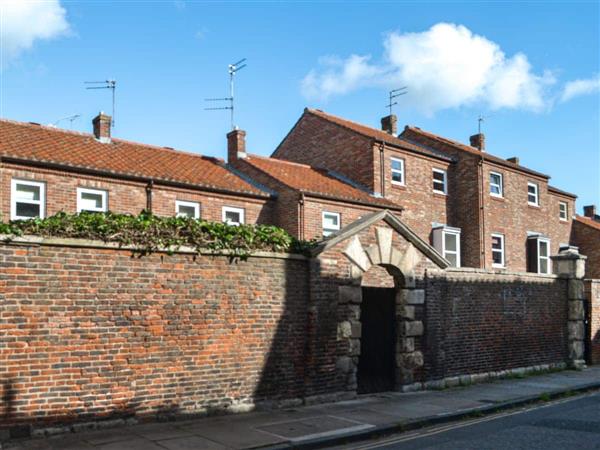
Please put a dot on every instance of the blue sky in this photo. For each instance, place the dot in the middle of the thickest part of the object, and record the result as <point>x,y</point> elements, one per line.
<point>531,68</point>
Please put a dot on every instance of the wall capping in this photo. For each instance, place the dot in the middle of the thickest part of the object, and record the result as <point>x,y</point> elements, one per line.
<point>473,270</point>
<point>29,240</point>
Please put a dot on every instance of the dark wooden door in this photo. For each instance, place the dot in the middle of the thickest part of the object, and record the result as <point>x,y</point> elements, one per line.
<point>376,364</point>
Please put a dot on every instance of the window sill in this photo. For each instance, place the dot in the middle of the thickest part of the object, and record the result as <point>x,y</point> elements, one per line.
<point>531,205</point>
<point>398,185</point>
<point>497,198</point>
<point>439,194</point>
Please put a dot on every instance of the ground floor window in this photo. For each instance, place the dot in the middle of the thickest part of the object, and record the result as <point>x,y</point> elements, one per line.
<point>187,209</point>
<point>331,222</point>
<point>28,199</point>
<point>94,200</point>
<point>498,259</point>
<point>233,216</point>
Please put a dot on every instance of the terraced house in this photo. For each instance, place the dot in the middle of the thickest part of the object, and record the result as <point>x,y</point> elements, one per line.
<point>477,209</point>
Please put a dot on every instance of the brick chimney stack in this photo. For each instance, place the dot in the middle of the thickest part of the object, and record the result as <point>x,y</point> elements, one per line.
<point>514,160</point>
<point>590,211</point>
<point>389,124</point>
<point>102,127</point>
<point>478,141</point>
<point>236,145</point>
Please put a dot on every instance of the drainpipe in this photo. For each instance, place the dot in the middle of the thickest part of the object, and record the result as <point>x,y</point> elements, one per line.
<point>149,187</point>
<point>382,169</point>
<point>301,216</point>
<point>482,233</point>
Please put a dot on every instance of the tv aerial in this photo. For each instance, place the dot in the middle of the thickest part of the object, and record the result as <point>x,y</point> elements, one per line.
<point>232,70</point>
<point>107,84</point>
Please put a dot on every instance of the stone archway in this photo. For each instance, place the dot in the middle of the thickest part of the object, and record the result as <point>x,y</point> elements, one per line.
<point>409,305</point>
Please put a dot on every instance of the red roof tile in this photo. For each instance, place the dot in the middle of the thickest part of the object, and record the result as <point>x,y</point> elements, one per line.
<point>408,130</point>
<point>587,221</point>
<point>316,181</point>
<point>43,144</point>
<point>374,133</point>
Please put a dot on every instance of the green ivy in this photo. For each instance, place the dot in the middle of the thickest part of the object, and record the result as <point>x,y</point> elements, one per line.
<point>148,233</point>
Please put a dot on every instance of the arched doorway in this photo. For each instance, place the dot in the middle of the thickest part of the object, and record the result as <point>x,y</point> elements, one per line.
<point>377,360</point>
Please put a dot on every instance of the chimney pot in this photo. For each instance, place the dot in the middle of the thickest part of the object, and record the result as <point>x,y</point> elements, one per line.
<point>590,211</point>
<point>389,124</point>
<point>236,145</point>
<point>478,141</point>
<point>102,123</point>
<point>514,159</point>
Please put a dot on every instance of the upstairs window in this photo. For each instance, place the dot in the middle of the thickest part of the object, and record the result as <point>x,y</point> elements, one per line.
<point>398,171</point>
<point>532,194</point>
<point>446,241</point>
<point>92,200</point>
<point>439,181</point>
<point>187,209</point>
<point>28,199</point>
<point>498,259</point>
<point>496,184</point>
<point>538,254</point>
<point>563,211</point>
<point>233,216</point>
<point>331,223</point>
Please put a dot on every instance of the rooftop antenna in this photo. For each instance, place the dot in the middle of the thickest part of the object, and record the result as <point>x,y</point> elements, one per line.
<point>69,118</point>
<point>232,69</point>
<point>480,120</point>
<point>396,93</point>
<point>108,84</point>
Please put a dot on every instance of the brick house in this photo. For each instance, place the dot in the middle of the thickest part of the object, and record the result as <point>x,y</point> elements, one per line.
<point>44,170</point>
<point>456,196</point>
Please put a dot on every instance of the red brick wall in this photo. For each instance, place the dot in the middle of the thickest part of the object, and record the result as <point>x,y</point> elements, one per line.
<point>91,332</point>
<point>125,196</point>
<point>587,239</point>
<point>479,322</point>
<point>513,217</point>
<point>321,143</point>
<point>593,298</point>
<point>421,205</point>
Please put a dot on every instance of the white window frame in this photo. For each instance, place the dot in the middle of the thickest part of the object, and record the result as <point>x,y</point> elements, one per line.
<point>502,251</point>
<point>566,211</point>
<point>14,200</point>
<point>439,241</point>
<point>329,231</point>
<point>233,209</point>
<point>400,171</point>
<point>189,204</point>
<point>101,192</point>
<point>547,257</point>
<point>500,186</point>
<point>537,194</point>
<point>445,183</point>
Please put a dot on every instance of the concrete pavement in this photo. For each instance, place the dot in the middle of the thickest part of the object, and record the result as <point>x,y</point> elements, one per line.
<point>328,424</point>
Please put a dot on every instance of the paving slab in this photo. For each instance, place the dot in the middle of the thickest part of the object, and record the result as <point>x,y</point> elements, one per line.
<point>159,431</point>
<point>234,437</point>
<point>190,443</point>
<point>131,444</point>
<point>304,429</point>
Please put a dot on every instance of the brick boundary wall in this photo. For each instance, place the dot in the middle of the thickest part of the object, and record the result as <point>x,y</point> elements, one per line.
<point>89,331</point>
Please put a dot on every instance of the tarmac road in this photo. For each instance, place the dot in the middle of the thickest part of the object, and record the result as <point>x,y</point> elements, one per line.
<point>572,423</point>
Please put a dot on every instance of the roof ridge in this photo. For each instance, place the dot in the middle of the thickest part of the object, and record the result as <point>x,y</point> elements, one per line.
<point>588,221</point>
<point>285,161</point>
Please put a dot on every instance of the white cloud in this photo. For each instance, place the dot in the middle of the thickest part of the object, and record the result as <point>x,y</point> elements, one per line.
<point>25,21</point>
<point>444,67</point>
<point>580,87</point>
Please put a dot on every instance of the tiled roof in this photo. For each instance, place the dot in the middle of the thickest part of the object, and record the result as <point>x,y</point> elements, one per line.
<point>316,181</point>
<point>587,221</point>
<point>560,191</point>
<point>52,146</point>
<point>410,130</point>
<point>374,133</point>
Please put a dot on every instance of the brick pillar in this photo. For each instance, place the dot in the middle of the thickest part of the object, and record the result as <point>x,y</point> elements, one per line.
<point>569,264</point>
